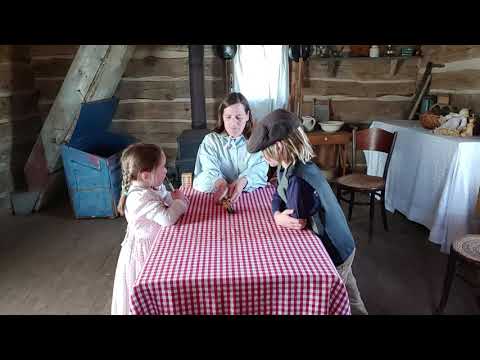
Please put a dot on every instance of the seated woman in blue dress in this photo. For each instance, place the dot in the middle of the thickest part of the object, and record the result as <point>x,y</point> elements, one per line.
<point>223,166</point>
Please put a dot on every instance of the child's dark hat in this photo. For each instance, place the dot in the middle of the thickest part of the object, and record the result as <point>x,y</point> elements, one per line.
<point>274,127</point>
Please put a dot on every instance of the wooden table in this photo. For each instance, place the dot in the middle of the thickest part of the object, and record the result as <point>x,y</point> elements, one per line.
<point>331,161</point>
<point>432,179</point>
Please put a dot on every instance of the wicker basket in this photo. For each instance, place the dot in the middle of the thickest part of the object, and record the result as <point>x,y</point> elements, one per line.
<point>429,120</point>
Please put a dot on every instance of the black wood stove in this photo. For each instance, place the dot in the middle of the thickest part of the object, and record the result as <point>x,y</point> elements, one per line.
<point>189,140</point>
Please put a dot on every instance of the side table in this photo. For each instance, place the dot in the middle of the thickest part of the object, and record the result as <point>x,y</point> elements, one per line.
<point>331,151</point>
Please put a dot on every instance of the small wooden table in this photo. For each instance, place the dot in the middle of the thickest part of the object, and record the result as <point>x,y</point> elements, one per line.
<point>326,159</point>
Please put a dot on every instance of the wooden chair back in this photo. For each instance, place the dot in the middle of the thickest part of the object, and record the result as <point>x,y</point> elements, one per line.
<point>374,139</point>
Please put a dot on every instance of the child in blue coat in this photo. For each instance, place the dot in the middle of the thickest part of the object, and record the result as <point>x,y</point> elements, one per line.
<point>304,197</point>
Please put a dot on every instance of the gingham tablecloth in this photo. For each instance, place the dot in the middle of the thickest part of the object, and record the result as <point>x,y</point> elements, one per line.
<point>213,263</point>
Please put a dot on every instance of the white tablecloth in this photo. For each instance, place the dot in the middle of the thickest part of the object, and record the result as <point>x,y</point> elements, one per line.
<point>433,180</point>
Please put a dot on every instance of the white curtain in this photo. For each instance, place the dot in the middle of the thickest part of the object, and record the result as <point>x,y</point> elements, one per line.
<point>260,73</point>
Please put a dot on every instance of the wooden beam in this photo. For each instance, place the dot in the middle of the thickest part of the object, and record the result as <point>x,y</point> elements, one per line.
<point>94,74</point>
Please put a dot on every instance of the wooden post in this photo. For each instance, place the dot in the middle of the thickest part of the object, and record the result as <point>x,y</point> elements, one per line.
<point>420,96</point>
<point>293,87</point>
<point>300,88</point>
<point>227,79</point>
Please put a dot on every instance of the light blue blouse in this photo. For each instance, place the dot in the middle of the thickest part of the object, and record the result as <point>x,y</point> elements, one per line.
<point>221,156</point>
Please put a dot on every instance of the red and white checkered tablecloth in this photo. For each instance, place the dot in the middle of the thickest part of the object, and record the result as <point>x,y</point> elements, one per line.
<point>213,263</point>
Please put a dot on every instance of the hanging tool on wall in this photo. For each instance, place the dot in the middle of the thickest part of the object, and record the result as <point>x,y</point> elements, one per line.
<point>227,53</point>
<point>299,54</point>
<point>422,87</point>
<point>300,87</point>
<point>293,87</point>
<point>228,76</point>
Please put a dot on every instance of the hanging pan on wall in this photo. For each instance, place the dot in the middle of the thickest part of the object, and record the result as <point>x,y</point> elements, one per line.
<point>295,52</point>
<point>227,53</point>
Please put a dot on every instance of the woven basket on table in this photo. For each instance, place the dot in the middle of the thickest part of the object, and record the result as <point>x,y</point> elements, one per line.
<point>429,120</point>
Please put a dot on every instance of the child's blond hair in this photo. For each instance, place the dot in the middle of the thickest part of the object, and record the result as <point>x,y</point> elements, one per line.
<point>135,159</point>
<point>296,147</point>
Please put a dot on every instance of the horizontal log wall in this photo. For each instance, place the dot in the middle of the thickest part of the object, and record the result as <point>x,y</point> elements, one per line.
<point>50,64</point>
<point>155,94</point>
<point>19,118</point>
<point>361,90</point>
<point>155,97</point>
<point>460,78</point>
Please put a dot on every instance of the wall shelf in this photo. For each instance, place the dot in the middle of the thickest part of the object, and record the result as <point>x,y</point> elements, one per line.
<point>365,57</point>
<point>333,62</point>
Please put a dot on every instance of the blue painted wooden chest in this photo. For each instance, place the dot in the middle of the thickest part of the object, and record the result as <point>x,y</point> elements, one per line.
<point>91,161</point>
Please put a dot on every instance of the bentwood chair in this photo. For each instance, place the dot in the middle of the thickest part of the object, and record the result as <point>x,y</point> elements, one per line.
<point>465,250</point>
<point>373,139</point>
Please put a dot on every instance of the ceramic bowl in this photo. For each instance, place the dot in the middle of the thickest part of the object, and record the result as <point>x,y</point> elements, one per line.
<point>331,126</point>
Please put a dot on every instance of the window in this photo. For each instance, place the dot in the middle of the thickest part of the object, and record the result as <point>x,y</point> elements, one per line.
<point>260,73</point>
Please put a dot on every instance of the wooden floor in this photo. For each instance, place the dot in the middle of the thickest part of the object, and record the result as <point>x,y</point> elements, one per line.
<point>51,263</point>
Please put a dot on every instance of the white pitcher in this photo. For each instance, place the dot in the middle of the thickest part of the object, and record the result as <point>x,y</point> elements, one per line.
<point>308,123</point>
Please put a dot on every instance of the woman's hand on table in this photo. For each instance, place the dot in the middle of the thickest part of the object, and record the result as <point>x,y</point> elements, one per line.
<point>221,190</point>
<point>284,219</point>
<point>235,188</point>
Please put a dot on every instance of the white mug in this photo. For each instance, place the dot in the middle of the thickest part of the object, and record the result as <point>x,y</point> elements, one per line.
<point>308,123</point>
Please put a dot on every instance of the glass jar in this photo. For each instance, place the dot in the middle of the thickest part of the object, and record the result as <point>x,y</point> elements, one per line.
<point>374,51</point>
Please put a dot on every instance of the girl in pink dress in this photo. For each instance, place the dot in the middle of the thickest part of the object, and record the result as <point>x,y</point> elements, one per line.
<point>146,204</point>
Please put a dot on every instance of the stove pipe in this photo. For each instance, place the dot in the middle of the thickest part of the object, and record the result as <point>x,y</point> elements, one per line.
<point>197,86</point>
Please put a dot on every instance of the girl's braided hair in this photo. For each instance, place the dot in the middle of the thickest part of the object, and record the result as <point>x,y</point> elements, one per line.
<point>137,158</point>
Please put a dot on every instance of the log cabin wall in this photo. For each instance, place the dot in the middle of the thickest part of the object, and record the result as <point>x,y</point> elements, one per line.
<point>19,118</point>
<point>154,92</point>
<point>155,97</point>
<point>360,90</point>
<point>50,65</point>
<point>460,78</point>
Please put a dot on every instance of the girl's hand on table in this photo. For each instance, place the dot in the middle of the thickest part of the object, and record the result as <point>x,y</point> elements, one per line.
<point>178,195</point>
